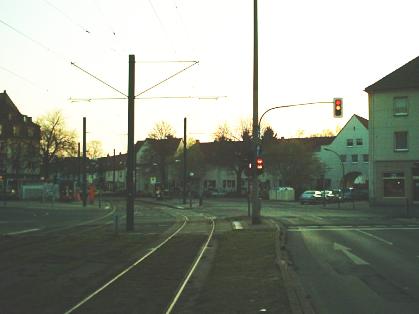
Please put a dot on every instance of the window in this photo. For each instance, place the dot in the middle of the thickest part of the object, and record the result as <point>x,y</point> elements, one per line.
<point>350,142</point>
<point>15,131</point>
<point>359,141</point>
<point>209,184</point>
<point>343,158</point>
<point>230,184</point>
<point>400,106</point>
<point>365,157</point>
<point>393,183</point>
<point>30,132</point>
<point>1,129</point>
<point>400,141</point>
<point>355,158</point>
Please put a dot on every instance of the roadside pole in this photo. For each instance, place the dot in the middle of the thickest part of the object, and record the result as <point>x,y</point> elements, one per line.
<point>184,161</point>
<point>130,153</point>
<point>255,130</point>
<point>84,179</point>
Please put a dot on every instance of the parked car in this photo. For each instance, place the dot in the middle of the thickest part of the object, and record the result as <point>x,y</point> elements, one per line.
<point>333,195</point>
<point>214,192</point>
<point>356,194</point>
<point>311,197</point>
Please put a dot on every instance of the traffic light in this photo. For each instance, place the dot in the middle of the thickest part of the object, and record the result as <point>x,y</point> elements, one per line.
<point>337,107</point>
<point>259,165</point>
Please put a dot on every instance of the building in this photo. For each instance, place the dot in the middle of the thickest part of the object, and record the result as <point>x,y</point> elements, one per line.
<point>19,146</point>
<point>346,159</point>
<point>394,136</point>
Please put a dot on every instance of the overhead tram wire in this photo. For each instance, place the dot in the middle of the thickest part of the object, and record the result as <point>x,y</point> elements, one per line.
<point>168,38</point>
<point>36,42</point>
<point>98,79</point>
<point>168,78</point>
<point>23,79</point>
<point>67,16</point>
<point>73,100</point>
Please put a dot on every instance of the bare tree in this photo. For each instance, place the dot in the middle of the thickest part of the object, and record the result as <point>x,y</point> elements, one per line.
<point>56,139</point>
<point>162,130</point>
<point>223,133</point>
<point>94,149</point>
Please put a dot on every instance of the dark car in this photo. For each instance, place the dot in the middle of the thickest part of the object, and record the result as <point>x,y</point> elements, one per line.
<point>355,194</point>
<point>214,192</point>
<point>311,197</point>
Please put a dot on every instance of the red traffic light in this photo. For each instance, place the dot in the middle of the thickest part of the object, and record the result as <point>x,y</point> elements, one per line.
<point>337,107</point>
<point>259,163</point>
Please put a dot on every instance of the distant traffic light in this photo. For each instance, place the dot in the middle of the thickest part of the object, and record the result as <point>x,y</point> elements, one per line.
<point>337,107</point>
<point>259,165</point>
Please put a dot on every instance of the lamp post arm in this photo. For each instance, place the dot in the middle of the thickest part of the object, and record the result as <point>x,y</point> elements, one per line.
<point>295,105</point>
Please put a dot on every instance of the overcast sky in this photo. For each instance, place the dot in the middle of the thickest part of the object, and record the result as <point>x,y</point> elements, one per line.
<point>308,51</point>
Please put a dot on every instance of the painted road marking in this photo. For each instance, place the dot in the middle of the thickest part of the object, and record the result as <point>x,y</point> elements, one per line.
<point>237,225</point>
<point>342,228</point>
<point>375,237</point>
<point>355,259</point>
<point>23,231</point>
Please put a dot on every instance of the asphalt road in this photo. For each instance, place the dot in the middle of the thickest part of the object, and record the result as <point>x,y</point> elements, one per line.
<point>353,262</point>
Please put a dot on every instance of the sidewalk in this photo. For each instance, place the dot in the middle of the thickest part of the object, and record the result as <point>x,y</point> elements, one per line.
<point>53,205</point>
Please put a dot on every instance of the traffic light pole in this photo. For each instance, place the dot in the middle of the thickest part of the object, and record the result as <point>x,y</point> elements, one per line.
<point>255,130</point>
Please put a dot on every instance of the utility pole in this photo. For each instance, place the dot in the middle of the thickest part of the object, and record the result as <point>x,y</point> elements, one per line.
<point>255,131</point>
<point>84,183</point>
<point>130,153</point>
<point>78,164</point>
<point>113,172</point>
<point>184,161</point>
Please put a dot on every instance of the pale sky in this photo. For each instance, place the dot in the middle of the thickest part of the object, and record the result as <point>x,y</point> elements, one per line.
<point>308,51</point>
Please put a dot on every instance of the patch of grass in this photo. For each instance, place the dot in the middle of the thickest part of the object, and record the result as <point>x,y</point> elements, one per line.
<point>244,277</point>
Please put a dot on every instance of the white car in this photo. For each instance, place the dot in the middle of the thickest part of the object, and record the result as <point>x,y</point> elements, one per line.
<point>311,197</point>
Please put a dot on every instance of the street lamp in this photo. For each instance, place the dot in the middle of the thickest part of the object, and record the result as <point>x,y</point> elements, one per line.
<point>341,163</point>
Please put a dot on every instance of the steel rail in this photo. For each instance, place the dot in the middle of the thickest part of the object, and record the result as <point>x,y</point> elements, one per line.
<point>191,271</point>
<point>125,271</point>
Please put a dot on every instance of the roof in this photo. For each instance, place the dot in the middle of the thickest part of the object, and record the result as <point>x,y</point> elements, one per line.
<point>362,120</point>
<point>7,105</point>
<point>164,146</point>
<point>313,142</point>
<point>407,76</point>
<point>117,162</point>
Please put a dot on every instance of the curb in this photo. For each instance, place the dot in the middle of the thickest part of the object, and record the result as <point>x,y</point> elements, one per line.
<point>298,298</point>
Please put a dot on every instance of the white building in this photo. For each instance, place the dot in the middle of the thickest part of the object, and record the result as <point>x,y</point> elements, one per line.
<point>347,156</point>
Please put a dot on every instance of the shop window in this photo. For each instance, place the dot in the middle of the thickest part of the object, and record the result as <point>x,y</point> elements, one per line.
<point>393,183</point>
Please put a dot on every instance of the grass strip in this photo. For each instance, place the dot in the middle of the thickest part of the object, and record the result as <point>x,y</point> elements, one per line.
<point>244,277</point>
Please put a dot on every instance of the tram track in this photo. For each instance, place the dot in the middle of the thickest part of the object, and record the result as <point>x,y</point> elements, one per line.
<point>156,281</point>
